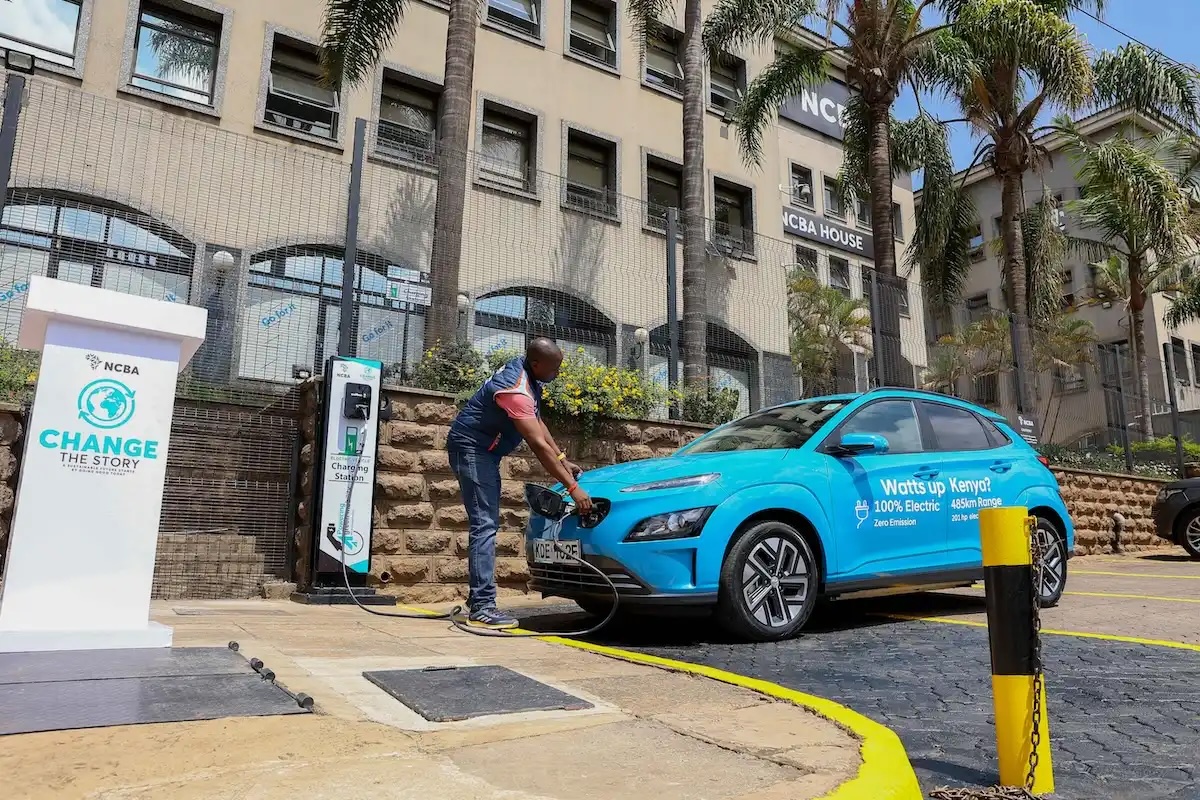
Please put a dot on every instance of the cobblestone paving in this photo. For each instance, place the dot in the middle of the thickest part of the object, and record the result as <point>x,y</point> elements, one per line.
<point>1124,718</point>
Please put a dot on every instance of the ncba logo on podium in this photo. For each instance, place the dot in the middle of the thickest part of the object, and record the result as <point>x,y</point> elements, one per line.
<point>105,405</point>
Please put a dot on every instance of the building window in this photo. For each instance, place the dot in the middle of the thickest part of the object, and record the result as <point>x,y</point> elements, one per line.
<point>408,114</point>
<point>518,15</point>
<point>662,61</point>
<point>292,310</point>
<point>176,53</point>
<point>507,148</point>
<point>1067,277</point>
<point>806,260</point>
<point>94,244</point>
<point>591,174</point>
<point>862,211</point>
<point>977,308</point>
<point>46,29</point>
<point>833,200</point>
<point>802,186</point>
<point>593,31</point>
<point>839,274</point>
<point>664,182</point>
<point>998,226</point>
<point>987,389</point>
<point>1180,361</point>
<point>296,100</point>
<point>507,320</point>
<point>726,82</point>
<point>733,214</point>
<point>897,223</point>
<point>1196,361</point>
<point>902,298</point>
<point>976,242</point>
<point>1069,378</point>
<point>732,364</point>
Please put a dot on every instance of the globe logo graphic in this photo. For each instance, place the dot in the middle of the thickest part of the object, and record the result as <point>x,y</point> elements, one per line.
<point>353,542</point>
<point>106,403</point>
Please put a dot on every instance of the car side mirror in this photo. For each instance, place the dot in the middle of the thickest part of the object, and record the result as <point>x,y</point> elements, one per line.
<point>857,444</point>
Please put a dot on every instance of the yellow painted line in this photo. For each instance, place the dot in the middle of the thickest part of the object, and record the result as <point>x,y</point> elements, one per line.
<point>885,772</point>
<point>1124,596</point>
<point>1136,575</point>
<point>1195,648</point>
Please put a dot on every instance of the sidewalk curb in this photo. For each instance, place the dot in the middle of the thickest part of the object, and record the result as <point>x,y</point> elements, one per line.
<point>885,772</point>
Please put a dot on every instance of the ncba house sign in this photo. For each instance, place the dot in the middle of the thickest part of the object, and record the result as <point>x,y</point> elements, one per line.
<point>818,229</point>
<point>820,108</point>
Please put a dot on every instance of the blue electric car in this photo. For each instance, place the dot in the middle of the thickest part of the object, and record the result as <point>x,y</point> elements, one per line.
<point>821,498</point>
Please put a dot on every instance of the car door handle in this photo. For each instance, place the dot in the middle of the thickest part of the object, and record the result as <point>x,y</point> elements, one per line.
<point>1000,466</point>
<point>926,473</point>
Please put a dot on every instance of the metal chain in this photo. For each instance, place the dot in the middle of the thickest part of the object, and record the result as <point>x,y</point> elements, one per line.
<point>1017,792</point>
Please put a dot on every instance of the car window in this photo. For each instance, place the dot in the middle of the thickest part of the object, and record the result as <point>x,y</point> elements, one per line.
<point>956,428</point>
<point>894,420</point>
<point>999,437</point>
<point>775,428</point>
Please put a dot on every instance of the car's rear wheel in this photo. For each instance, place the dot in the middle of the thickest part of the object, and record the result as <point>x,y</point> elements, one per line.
<point>769,583</point>
<point>1188,531</point>
<point>1054,563</point>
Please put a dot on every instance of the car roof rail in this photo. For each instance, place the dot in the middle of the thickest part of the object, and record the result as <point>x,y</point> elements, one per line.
<point>940,395</point>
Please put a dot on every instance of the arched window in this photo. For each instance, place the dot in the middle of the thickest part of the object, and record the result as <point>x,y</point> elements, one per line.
<point>292,311</point>
<point>506,320</point>
<point>732,362</point>
<point>90,241</point>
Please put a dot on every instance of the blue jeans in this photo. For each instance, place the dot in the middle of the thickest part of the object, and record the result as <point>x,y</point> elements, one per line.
<point>478,473</point>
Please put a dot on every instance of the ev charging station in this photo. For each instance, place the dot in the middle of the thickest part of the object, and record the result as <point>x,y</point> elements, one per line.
<point>352,406</point>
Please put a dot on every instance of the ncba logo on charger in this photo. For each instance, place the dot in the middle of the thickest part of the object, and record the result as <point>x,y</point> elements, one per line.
<point>105,406</point>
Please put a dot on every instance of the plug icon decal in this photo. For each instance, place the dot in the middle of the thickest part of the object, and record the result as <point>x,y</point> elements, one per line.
<point>862,510</point>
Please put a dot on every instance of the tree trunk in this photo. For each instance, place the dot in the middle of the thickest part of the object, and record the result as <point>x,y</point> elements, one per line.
<point>695,266</point>
<point>886,339</point>
<point>454,132</point>
<point>1012,190</point>
<point>1137,343</point>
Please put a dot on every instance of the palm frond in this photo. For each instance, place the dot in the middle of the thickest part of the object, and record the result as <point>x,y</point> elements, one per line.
<point>1185,307</point>
<point>354,35</point>
<point>782,79</point>
<point>737,24</point>
<point>1134,77</point>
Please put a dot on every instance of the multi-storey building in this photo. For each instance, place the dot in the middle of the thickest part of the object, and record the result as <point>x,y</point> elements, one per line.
<point>1079,404</point>
<point>188,149</point>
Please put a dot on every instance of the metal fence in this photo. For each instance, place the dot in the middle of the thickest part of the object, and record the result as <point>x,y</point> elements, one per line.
<point>120,195</point>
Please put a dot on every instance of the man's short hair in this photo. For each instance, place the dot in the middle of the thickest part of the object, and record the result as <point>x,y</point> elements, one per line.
<point>541,348</point>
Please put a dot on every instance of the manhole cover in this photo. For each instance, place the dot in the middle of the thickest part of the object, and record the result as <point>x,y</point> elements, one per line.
<point>447,694</point>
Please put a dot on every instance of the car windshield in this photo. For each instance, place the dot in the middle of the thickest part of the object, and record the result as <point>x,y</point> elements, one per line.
<point>775,428</point>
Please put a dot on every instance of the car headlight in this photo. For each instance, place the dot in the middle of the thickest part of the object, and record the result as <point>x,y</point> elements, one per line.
<point>1166,494</point>
<point>675,483</point>
<point>674,525</point>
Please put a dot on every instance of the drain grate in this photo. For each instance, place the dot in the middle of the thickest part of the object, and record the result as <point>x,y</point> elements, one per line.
<point>449,694</point>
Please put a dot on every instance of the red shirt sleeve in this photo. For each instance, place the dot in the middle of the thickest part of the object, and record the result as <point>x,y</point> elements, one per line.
<point>517,405</point>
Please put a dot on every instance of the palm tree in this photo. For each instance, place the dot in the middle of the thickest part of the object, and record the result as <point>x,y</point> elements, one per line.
<point>824,324</point>
<point>1027,58</point>
<point>1140,223</point>
<point>886,48</point>
<point>645,17</point>
<point>354,37</point>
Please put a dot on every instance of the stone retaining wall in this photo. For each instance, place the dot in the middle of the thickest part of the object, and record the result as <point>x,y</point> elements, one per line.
<point>1093,498</point>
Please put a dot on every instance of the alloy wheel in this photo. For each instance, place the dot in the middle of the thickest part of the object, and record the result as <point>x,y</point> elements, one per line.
<point>1192,533</point>
<point>1053,563</point>
<point>775,581</point>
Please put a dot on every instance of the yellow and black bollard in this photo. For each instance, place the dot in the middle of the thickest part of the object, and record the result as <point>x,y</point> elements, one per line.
<point>1018,691</point>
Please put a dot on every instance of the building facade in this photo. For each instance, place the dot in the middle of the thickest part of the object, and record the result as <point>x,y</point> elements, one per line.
<point>1079,405</point>
<point>188,150</point>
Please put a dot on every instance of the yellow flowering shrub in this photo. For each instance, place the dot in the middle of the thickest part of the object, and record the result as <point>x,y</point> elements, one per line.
<point>588,390</point>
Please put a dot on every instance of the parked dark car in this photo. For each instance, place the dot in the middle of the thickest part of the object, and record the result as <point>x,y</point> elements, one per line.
<point>1176,513</point>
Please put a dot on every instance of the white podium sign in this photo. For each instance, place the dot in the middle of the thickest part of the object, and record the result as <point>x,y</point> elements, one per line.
<point>85,529</point>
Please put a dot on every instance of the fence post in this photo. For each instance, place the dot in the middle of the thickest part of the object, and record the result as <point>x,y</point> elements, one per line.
<point>1173,396</point>
<point>1123,418</point>
<point>1014,340</point>
<point>14,93</point>
<point>349,271</point>
<point>1018,688</point>
<point>672,312</point>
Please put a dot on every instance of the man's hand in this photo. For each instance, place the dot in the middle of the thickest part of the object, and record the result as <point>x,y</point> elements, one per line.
<point>574,469</point>
<point>583,500</point>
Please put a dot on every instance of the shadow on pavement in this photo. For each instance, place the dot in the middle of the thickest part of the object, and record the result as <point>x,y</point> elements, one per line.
<point>1170,558</point>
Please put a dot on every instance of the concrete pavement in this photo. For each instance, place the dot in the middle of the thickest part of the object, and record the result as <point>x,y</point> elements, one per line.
<point>651,733</point>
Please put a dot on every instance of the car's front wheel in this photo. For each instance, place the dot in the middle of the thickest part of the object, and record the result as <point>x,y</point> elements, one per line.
<point>1054,563</point>
<point>769,583</point>
<point>1187,528</point>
